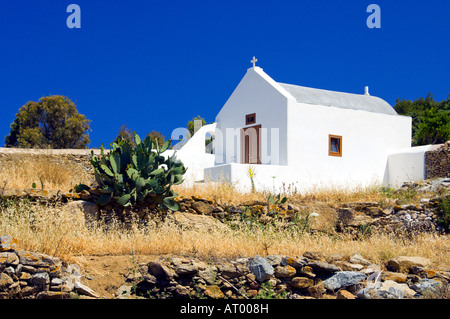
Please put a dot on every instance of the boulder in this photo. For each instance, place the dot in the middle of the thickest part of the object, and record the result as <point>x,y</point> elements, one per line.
<point>426,285</point>
<point>301,282</point>
<point>358,259</point>
<point>260,268</point>
<point>202,207</point>
<point>405,264</point>
<point>343,279</point>
<point>186,270</point>
<point>160,270</point>
<point>323,267</point>
<point>9,258</point>
<point>214,292</point>
<point>285,271</point>
<point>37,259</point>
<point>386,290</point>
<point>344,294</point>
<point>7,243</point>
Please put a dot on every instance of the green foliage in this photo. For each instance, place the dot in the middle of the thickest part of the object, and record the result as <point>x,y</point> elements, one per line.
<point>430,119</point>
<point>128,134</point>
<point>53,122</point>
<point>131,173</point>
<point>191,124</point>
<point>276,200</point>
<point>434,127</point>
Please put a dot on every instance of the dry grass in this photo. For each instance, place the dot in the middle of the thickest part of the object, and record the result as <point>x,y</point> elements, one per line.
<point>21,171</point>
<point>47,229</point>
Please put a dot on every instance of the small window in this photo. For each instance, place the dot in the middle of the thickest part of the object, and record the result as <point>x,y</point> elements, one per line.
<point>334,145</point>
<point>250,119</point>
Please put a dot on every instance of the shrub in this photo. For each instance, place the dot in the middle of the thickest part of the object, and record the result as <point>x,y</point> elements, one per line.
<point>132,173</point>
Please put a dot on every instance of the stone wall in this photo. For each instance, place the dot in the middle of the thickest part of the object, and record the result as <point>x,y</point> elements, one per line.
<point>437,162</point>
<point>32,275</point>
<point>80,157</point>
<point>312,275</point>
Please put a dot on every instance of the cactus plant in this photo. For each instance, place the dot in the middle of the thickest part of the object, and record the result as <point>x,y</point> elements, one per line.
<point>133,173</point>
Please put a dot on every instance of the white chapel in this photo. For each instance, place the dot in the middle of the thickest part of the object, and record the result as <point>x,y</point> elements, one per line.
<point>302,138</point>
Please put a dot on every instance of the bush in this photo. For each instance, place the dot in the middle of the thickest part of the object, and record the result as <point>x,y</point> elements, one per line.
<point>132,173</point>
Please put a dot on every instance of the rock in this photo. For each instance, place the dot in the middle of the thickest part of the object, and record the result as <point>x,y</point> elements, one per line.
<point>405,264</point>
<point>294,262</point>
<point>344,265</point>
<point>85,290</point>
<point>202,207</point>
<point>316,291</point>
<point>214,292</point>
<point>260,268</point>
<point>160,270</point>
<point>40,279</point>
<point>274,260</point>
<point>394,276</point>
<point>343,279</point>
<point>344,294</point>
<point>285,271</point>
<point>7,243</point>
<point>229,271</point>
<point>386,290</point>
<point>209,275</point>
<point>9,258</point>
<point>307,271</point>
<point>182,291</point>
<point>5,280</point>
<point>124,292</point>
<point>186,270</point>
<point>293,207</point>
<point>426,285</point>
<point>36,259</point>
<point>252,293</point>
<point>358,259</point>
<point>323,267</point>
<point>301,282</point>
<point>371,269</point>
<point>314,255</point>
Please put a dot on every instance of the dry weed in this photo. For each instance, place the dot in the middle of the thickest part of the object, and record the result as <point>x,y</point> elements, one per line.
<point>21,171</point>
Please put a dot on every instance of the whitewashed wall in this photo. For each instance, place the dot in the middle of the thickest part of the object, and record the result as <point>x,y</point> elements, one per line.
<point>407,165</point>
<point>367,139</point>
<point>194,156</point>
<point>256,93</point>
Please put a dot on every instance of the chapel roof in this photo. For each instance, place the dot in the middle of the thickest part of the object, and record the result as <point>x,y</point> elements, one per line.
<point>339,99</point>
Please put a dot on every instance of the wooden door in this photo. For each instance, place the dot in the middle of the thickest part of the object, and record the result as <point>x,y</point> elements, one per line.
<point>250,145</point>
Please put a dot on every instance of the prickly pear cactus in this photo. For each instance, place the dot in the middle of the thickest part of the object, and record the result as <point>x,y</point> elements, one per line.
<point>133,173</point>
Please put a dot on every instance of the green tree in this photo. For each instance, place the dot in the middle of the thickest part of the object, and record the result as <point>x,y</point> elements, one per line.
<point>157,136</point>
<point>434,127</point>
<point>191,124</point>
<point>52,122</point>
<point>126,134</point>
<point>429,118</point>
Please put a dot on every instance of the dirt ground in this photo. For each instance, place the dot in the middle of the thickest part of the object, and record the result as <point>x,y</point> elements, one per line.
<point>105,274</point>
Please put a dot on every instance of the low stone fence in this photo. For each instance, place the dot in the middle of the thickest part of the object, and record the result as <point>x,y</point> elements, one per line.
<point>437,162</point>
<point>31,275</point>
<point>311,275</point>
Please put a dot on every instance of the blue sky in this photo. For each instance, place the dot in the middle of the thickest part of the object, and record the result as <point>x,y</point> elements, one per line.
<point>154,65</point>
